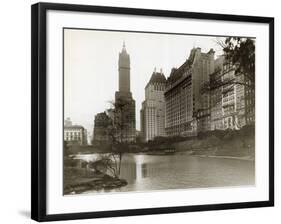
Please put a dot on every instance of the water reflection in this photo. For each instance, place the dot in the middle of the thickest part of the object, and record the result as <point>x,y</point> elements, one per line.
<point>181,171</point>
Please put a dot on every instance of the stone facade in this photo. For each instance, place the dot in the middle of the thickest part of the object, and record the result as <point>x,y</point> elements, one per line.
<point>101,128</point>
<point>249,103</point>
<point>233,99</point>
<point>187,108</point>
<point>124,117</point>
<point>75,134</point>
<point>216,96</point>
<point>152,113</point>
<point>232,102</point>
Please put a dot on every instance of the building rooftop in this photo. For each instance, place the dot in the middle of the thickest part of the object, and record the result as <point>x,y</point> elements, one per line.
<point>157,77</point>
<point>74,127</point>
<point>102,119</point>
<point>177,73</point>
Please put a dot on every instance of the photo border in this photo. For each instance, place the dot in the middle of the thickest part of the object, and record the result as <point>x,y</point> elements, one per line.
<point>39,110</point>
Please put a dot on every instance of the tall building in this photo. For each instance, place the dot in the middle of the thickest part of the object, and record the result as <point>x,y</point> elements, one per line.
<point>201,74</point>
<point>216,95</point>
<point>85,136</point>
<point>153,107</point>
<point>249,101</point>
<point>233,98</point>
<point>125,114</point>
<point>74,134</point>
<point>232,101</point>
<point>101,128</point>
<point>187,107</point>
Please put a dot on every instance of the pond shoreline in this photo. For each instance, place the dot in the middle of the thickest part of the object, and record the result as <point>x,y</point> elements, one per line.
<point>187,152</point>
<point>246,158</point>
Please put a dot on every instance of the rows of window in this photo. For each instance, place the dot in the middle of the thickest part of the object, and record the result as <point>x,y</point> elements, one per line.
<point>159,87</point>
<point>73,138</point>
<point>72,133</point>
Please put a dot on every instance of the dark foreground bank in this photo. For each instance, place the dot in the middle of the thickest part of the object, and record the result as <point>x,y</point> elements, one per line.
<point>78,180</point>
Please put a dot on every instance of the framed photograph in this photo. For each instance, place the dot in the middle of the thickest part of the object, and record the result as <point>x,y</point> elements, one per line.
<point>140,111</point>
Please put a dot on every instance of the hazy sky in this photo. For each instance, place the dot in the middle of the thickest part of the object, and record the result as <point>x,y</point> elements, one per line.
<point>91,67</point>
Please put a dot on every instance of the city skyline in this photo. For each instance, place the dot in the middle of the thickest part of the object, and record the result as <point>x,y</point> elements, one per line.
<point>86,94</point>
<point>187,100</point>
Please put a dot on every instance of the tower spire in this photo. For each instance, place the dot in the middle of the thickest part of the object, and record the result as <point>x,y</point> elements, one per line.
<point>124,70</point>
<point>124,46</point>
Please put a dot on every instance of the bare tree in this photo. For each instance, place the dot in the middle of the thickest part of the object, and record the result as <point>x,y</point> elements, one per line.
<point>236,70</point>
<point>116,132</point>
<point>239,56</point>
<point>107,162</point>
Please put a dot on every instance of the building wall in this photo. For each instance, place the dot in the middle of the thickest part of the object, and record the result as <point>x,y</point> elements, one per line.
<point>124,70</point>
<point>179,109</point>
<point>216,95</point>
<point>153,108</point>
<point>74,135</point>
<point>202,67</point>
<point>125,117</point>
<point>187,108</point>
<point>233,109</point>
<point>249,103</point>
<point>229,102</point>
<point>125,109</point>
<point>101,125</point>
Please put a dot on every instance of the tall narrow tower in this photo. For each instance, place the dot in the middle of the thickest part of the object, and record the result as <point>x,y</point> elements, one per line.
<point>124,70</point>
<point>124,103</point>
<point>153,107</point>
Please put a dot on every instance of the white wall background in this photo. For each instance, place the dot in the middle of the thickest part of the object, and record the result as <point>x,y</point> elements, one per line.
<point>15,110</point>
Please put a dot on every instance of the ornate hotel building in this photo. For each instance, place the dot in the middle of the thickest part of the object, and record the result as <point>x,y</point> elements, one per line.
<point>187,107</point>
<point>249,103</point>
<point>233,99</point>
<point>232,103</point>
<point>125,112</point>
<point>216,95</point>
<point>152,114</point>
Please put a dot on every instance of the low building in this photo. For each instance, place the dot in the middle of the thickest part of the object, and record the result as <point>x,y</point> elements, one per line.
<point>101,128</point>
<point>75,135</point>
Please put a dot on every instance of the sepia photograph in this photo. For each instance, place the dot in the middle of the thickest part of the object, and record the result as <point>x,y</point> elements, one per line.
<point>148,111</point>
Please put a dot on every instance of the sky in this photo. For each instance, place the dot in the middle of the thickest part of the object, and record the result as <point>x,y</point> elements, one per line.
<point>91,66</point>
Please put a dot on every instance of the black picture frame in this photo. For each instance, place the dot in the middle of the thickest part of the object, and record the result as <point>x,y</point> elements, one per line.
<point>39,107</point>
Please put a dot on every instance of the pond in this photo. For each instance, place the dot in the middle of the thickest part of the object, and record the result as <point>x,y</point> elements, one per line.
<point>180,171</point>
